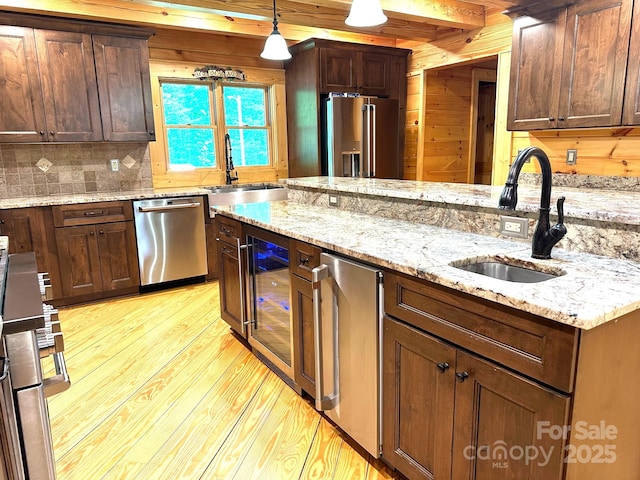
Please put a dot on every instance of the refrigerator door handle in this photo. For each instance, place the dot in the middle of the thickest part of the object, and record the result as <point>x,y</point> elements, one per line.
<point>322,401</point>
<point>372,138</point>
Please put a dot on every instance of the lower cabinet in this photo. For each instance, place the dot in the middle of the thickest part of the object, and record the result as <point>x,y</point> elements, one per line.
<point>232,308</point>
<point>96,249</point>
<point>451,415</point>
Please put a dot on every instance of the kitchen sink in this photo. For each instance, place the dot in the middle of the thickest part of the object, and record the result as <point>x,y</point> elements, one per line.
<point>503,269</point>
<point>248,193</point>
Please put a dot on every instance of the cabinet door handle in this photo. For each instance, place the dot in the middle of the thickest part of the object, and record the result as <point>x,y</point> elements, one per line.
<point>462,376</point>
<point>93,213</point>
<point>443,367</point>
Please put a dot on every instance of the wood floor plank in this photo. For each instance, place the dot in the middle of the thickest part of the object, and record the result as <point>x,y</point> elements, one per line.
<point>211,354</point>
<point>162,390</point>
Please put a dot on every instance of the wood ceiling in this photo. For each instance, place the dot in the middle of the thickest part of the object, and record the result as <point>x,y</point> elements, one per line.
<point>418,20</point>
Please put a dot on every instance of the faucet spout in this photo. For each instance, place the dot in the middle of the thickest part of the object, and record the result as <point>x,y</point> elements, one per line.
<point>544,236</point>
<point>229,161</point>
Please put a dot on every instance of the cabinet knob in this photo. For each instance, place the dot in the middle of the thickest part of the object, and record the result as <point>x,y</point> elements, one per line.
<point>101,232</point>
<point>462,376</point>
<point>152,133</point>
<point>1,221</point>
<point>92,233</point>
<point>561,119</point>
<point>551,119</point>
<point>52,133</point>
<point>443,367</point>
<point>41,133</point>
<point>304,261</point>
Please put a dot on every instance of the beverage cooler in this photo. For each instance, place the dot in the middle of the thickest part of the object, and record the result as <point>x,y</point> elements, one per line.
<point>268,298</point>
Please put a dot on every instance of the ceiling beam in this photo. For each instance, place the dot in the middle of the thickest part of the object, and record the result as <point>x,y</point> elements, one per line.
<point>142,13</point>
<point>330,15</point>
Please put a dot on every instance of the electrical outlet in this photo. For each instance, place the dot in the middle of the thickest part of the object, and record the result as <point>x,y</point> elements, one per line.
<point>334,200</point>
<point>514,227</point>
<point>572,156</point>
<point>115,164</point>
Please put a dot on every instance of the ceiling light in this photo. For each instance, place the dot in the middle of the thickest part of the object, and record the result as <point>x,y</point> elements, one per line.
<point>365,13</point>
<point>275,48</point>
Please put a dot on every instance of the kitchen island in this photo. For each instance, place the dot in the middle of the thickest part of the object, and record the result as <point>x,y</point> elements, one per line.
<point>553,361</point>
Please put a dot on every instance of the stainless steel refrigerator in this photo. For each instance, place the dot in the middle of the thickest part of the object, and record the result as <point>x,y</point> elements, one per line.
<point>362,137</point>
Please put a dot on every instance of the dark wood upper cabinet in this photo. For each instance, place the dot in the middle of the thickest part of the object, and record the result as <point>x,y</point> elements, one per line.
<point>631,110</point>
<point>352,71</point>
<point>122,67</point>
<point>69,88</point>
<point>568,66</point>
<point>72,81</point>
<point>21,104</point>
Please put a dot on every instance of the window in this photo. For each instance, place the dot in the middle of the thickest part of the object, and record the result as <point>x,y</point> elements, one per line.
<point>245,116</point>
<point>197,115</point>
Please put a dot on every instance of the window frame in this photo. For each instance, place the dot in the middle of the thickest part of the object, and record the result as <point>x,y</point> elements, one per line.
<point>218,123</point>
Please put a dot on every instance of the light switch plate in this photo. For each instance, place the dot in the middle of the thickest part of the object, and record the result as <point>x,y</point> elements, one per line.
<point>115,164</point>
<point>572,156</point>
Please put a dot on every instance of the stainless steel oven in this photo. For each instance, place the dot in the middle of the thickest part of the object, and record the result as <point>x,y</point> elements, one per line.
<point>30,331</point>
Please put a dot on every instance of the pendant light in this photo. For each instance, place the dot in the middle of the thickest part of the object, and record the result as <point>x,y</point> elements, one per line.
<point>275,48</point>
<point>365,13</point>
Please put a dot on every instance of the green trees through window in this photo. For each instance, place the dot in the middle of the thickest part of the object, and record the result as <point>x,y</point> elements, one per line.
<point>194,127</point>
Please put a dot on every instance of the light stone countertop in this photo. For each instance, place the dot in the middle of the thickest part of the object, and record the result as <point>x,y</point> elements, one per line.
<point>44,201</point>
<point>589,204</point>
<point>593,291</point>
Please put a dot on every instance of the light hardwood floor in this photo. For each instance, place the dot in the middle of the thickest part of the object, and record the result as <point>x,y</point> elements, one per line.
<point>162,390</point>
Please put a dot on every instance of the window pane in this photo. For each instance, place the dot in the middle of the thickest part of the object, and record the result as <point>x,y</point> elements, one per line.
<point>191,146</point>
<point>186,104</point>
<point>249,147</point>
<point>244,106</point>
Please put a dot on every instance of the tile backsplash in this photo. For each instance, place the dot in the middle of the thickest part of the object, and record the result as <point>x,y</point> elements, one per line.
<point>43,169</point>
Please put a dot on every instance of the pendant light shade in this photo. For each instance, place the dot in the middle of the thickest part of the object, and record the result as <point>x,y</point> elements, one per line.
<point>275,48</point>
<point>365,13</point>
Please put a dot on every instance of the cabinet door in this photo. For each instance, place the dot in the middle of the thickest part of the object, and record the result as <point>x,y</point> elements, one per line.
<point>501,425</point>
<point>594,63</point>
<point>69,86</point>
<point>79,260</point>
<point>418,401</point>
<point>231,287</point>
<point>122,68</point>
<point>304,363</point>
<point>338,70</point>
<point>21,104</point>
<point>631,108</point>
<point>374,75</point>
<point>118,259</point>
<point>536,61</point>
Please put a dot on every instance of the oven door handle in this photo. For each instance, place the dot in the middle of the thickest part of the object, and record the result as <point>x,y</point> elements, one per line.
<point>322,401</point>
<point>60,381</point>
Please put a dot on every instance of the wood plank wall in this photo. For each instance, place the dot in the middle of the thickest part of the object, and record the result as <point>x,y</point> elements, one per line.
<point>604,151</point>
<point>175,54</point>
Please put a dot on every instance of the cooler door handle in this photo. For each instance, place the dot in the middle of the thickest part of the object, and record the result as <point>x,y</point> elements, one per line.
<point>322,401</point>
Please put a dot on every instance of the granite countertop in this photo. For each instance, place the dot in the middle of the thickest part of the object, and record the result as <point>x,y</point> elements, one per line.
<point>594,289</point>
<point>621,206</point>
<point>44,201</point>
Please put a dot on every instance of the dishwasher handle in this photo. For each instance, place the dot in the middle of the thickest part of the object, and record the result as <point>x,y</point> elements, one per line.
<point>164,208</point>
<point>322,401</point>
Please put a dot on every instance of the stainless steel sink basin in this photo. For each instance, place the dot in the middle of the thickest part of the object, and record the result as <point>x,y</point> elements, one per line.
<point>249,193</point>
<point>500,269</point>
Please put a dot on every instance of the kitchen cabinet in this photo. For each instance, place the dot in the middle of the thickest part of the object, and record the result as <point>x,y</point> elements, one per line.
<point>631,110</point>
<point>122,68</point>
<point>64,82</point>
<point>353,71</point>
<point>561,76</point>
<point>455,390</point>
<point>304,258</point>
<point>231,283</point>
<point>318,67</point>
<point>96,249</point>
<point>31,230</point>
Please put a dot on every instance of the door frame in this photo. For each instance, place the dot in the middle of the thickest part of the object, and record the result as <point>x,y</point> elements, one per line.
<point>477,75</point>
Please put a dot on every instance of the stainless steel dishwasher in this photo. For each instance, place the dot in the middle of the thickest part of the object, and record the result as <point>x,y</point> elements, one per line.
<point>171,239</point>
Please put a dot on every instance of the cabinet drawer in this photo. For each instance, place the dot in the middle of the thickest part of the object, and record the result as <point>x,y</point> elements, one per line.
<point>228,229</point>
<point>91,213</point>
<point>227,249</point>
<point>303,258</point>
<point>532,345</point>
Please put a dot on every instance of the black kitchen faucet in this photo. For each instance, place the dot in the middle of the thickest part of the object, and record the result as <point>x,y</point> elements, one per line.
<point>229,160</point>
<point>545,236</point>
